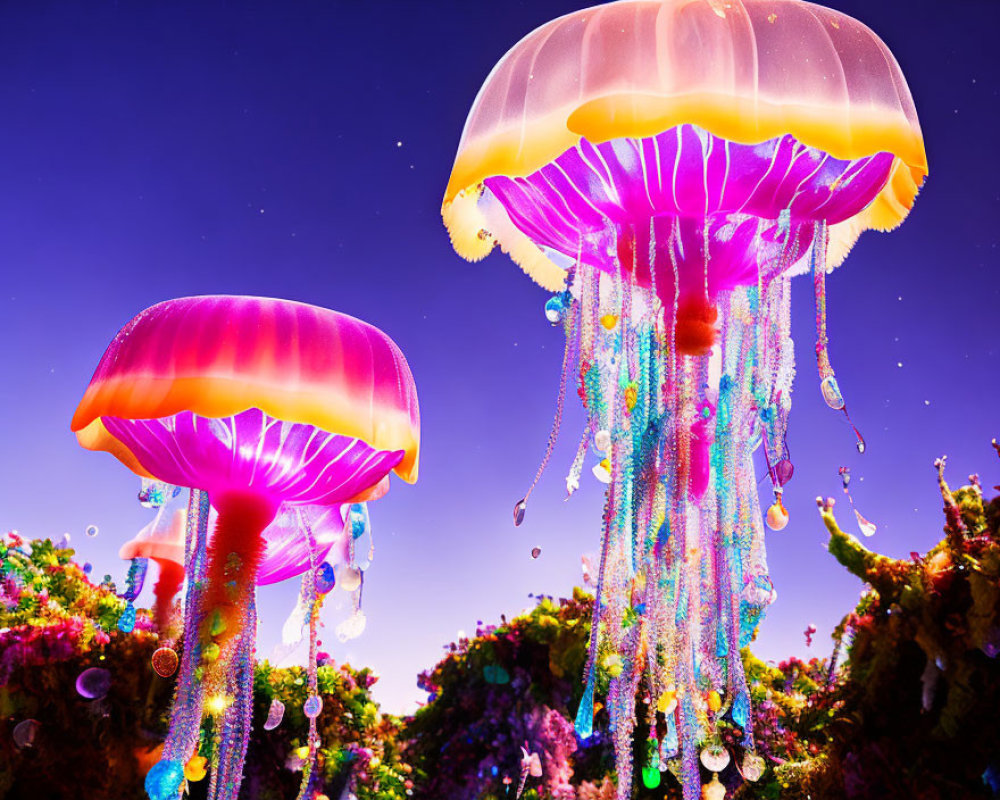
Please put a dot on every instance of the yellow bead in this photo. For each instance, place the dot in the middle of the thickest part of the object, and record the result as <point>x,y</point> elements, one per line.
<point>609,321</point>
<point>714,701</point>
<point>195,769</point>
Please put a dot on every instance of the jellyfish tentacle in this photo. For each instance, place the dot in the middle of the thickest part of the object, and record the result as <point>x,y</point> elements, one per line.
<point>313,703</point>
<point>828,381</point>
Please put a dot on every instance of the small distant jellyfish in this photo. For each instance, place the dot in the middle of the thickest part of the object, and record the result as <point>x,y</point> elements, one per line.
<point>536,552</point>
<point>92,531</point>
<point>274,715</point>
<point>93,683</point>
<point>24,733</point>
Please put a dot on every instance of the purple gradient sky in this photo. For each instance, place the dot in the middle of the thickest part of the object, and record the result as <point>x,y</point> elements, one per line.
<point>156,150</point>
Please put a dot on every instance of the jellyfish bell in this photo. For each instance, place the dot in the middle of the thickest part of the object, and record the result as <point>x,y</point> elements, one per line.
<point>665,168</point>
<point>254,403</point>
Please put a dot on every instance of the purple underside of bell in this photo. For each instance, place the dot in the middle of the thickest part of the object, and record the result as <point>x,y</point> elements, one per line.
<point>592,197</point>
<point>286,553</point>
<point>252,452</point>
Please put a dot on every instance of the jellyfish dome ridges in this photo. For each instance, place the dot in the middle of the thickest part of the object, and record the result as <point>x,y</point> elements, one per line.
<point>257,405</point>
<point>666,168</point>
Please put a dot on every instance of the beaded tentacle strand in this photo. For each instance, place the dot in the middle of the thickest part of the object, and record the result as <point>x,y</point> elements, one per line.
<point>314,703</point>
<point>165,780</point>
<point>828,382</point>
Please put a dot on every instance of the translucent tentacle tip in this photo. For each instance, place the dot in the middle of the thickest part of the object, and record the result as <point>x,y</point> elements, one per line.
<point>519,508</point>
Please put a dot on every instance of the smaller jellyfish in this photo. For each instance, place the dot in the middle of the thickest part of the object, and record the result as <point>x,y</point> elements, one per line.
<point>536,552</point>
<point>93,683</point>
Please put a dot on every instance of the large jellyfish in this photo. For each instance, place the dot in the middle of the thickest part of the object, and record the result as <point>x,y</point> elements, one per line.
<point>665,168</point>
<point>257,405</point>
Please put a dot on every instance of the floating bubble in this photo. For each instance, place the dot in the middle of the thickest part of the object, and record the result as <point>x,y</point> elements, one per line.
<point>274,715</point>
<point>93,683</point>
<point>165,662</point>
<point>24,733</point>
<point>92,531</point>
<point>312,706</point>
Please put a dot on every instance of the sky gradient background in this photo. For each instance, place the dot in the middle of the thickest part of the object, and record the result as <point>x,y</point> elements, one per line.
<point>300,150</point>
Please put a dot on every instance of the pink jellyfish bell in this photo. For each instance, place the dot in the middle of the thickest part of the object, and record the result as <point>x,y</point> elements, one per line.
<point>254,403</point>
<point>665,167</point>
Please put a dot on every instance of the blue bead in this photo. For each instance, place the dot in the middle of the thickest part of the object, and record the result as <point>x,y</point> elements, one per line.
<point>126,622</point>
<point>163,781</point>
<point>325,578</point>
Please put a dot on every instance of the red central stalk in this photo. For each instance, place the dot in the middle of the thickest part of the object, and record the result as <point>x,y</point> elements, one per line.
<point>234,556</point>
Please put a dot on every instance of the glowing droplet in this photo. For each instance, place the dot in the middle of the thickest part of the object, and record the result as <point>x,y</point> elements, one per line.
<point>164,662</point>
<point>867,528</point>
<point>831,393</point>
<point>93,683</point>
<point>163,781</point>
<point>536,552</point>
<point>92,531</point>
<point>24,733</point>
<point>519,508</point>
<point>783,471</point>
<point>196,768</point>
<point>651,777</point>
<point>274,715</point>
<point>752,767</point>
<point>609,321</point>
<point>715,758</point>
<point>777,516</point>
<point>861,444</point>
<point>313,706</point>
<point>349,578</point>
